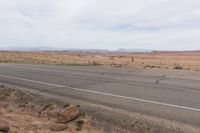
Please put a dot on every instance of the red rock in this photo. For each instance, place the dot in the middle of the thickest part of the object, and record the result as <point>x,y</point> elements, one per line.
<point>4,127</point>
<point>70,113</point>
<point>57,127</point>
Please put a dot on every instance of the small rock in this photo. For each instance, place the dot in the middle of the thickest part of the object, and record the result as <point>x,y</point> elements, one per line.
<point>58,127</point>
<point>1,86</point>
<point>51,111</point>
<point>69,114</point>
<point>4,127</point>
<point>88,123</point>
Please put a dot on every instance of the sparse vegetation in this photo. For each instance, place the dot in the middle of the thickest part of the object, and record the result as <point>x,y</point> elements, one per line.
<point>17,116</point>
<point>162,60</point>
<point>79,125</point>
<point>66,105</point>
<point>178,67</point>
<point>151,66</point>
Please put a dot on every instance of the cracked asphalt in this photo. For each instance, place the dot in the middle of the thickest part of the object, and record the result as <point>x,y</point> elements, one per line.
<point>119,88</point>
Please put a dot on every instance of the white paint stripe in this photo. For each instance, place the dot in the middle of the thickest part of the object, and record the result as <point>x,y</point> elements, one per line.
<point>106,94</point>
<point>34,81</point>
<point>136,99</point>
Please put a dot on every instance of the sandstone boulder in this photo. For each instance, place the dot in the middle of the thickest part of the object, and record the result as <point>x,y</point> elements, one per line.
<point>50,111</point>
<point>70,113</point>
<point>57,127</point>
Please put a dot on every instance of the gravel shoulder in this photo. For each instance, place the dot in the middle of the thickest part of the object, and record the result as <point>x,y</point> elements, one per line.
<point>28,110</point>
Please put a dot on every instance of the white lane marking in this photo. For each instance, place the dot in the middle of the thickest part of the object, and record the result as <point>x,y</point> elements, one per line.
<point>34,81</point>
<point>106,94</point>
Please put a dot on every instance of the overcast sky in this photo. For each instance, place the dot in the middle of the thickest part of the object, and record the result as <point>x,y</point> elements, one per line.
<point>105,24</point>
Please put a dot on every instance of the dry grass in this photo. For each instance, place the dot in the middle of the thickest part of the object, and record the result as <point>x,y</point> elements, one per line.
<point>163,60</point>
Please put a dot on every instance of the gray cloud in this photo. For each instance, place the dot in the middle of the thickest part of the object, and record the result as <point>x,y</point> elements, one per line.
<point>113,24</point>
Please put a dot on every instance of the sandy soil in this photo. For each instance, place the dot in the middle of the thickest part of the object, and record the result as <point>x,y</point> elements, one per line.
<point>22,114</point>
<point>163,60</point>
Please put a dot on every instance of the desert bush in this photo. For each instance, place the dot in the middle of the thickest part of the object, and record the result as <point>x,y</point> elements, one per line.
<point>178,67</point>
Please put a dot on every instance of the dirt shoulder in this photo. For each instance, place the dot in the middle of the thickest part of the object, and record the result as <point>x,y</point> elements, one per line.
<point>29,111</point>
<point>26,112</point>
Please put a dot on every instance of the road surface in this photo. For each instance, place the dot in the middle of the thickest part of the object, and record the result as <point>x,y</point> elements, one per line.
<point>168,94</point>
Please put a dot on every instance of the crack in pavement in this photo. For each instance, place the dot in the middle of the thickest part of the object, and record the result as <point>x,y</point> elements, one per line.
<point>163,77</point>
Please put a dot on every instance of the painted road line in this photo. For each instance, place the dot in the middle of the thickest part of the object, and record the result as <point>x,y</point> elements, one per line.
<point>33,81</point>
<point>105,94</point>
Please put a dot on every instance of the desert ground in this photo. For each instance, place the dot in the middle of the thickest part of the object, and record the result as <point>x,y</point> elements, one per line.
<point>189,60</point>
<point>26,112</point>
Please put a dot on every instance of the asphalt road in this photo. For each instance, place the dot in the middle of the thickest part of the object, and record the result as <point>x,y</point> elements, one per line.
<point>169,94</point>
